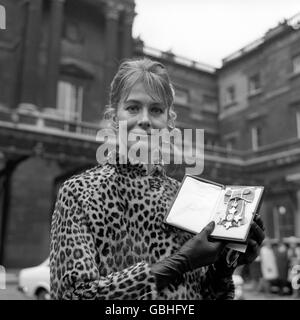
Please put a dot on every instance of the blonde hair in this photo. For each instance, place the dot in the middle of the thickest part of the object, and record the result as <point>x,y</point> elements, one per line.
<point>155,79</point>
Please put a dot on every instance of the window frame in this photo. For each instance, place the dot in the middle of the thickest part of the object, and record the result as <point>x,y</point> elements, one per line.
<point>71,25</point>
<point>252,89</point>
<point>78,88</point>
<point>210,103</point>
<point>256,137</point>
<point>231,141</point>
<point>298,123</point>
<point>186,92</point>
<point>296,70</point>
<point>230,97</point>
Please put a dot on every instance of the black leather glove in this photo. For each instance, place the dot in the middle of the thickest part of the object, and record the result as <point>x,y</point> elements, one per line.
<point>230,259</point>
<point>195,253</point>
<point>255,239</point>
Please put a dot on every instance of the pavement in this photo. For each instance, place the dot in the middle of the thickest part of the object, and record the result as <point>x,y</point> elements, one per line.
<point>11,276</point>
<point>11,292</point>
<point>11,287</point>
<point>251,294</point>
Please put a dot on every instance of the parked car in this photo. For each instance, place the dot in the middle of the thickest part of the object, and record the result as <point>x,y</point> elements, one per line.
<point>35,282</point>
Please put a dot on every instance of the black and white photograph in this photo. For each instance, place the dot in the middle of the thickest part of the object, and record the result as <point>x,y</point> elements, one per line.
<point>149,150</point>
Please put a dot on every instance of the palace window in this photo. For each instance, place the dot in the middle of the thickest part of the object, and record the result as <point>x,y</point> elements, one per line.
<point>181,96</point>
<point>230,144</point>
<point>296,64</point>
<point>72,31</point>
<point>230,95</point>
<point>256,137</point>
<point>69,100</point>
<point>254,84</point>
<point>298,123</point>
<point>283,221</point>
<point>2,18</point>
<point>231,140</point>
<point>210,104</point>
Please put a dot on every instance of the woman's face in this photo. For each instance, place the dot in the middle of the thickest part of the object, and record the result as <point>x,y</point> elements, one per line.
<point>142,112</point>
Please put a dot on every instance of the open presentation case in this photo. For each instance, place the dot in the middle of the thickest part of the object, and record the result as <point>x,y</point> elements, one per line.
<point>232,207</point>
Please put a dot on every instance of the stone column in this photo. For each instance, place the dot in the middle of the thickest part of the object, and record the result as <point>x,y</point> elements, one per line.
<point>127,42</point>
<point>112,14</point>
<point>54,51</point>
<point>29,76</point>
<point>297,216</point>
<point>6,177</point>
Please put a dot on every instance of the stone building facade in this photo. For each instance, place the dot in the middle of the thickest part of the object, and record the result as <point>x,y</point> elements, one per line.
<point>57,58</point>
<point>259,115</point>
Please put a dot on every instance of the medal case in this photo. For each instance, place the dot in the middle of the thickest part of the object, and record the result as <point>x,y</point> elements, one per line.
<point>232,207</point>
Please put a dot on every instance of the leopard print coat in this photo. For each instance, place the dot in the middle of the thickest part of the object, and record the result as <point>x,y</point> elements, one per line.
<point>107,229</point>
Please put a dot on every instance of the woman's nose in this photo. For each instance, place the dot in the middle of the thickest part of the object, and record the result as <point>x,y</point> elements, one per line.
<point>144,121</point>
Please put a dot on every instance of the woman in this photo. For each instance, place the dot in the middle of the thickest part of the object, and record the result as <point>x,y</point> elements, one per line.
<point>268,265</point>
<point>108,238</point>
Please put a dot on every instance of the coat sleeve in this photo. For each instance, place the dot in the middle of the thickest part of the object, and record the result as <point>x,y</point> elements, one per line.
<point>74,260</point>
<point>218,282</point>
<point>217,286</point>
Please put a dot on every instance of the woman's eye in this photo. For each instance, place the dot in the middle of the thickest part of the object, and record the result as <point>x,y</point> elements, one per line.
<point>132,108</point>
<point>156,110</point>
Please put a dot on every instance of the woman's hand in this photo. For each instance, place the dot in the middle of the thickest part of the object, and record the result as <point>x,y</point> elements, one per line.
<point>195,253</point>
<point>230,259</point>
<point>256,237</point>
<point>199,251</point>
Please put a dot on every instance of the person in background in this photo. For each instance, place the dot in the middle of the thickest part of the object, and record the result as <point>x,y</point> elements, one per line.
<point>256,275</point>
<point>294,254</point>
<point>294,268</point>
<point>268,265</point>
<point>282,261</point>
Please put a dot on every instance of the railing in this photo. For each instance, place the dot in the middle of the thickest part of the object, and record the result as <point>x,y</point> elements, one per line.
<point>179,59</point>
<point>49,123</point>
<point>293,22</point>
<point>35,121</point>
<point>223,152</point>
<point>251,46</point>
<point>275,148</point>
<point>43,122</point>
